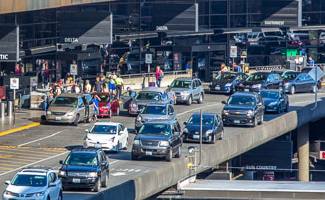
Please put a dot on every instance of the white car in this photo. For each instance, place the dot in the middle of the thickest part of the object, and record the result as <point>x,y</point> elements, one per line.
<point>109,136</point>
<point>36,184</point>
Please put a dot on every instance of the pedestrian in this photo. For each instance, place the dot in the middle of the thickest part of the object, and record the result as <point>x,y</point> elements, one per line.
<point>236,67</point>
<point>223,68</point>
<point>76,88</point>
<point>96,99</point>
<point>188,66</point>
<point>131,93</point>
<point>171,96</point>
<point>46,74</point>
<point>17,69</point>
<point>112,78</point>
<point>311,62</point>
<point>87,87</point>
<point>57,91</point>
<point>159,76</point>
<point>119,86</point>
<point>98,86</point>
<point>102,79</point>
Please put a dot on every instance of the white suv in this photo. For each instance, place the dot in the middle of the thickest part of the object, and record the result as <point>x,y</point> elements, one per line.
<point>36,184</point>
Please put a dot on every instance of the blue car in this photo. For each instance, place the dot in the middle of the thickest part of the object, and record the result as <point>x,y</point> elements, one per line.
<point>227,82</point>
<point>275,100</point>
<point>299,82</point>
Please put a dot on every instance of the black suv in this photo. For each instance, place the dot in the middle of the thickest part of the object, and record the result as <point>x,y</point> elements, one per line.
<point>261,80</point>
<point>85,168</point>
<point>243,109</point>
<point>158,139</point>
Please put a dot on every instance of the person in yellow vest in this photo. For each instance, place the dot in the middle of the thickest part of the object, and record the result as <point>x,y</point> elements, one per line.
<point>119,85</point>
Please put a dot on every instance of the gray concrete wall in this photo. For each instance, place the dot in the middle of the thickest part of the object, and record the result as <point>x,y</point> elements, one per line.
<point>167,175</point>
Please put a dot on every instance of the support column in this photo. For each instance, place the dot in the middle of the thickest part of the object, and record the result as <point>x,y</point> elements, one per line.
<point>303,153</point>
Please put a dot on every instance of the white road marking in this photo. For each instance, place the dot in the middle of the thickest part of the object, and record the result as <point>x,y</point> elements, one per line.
<point>138,170</point>
<point>119,174</point>
<point>216,104</point>
<point>115,161</point>
<point>43,138</point>
<point>131,170</point>
<point>34,163</point>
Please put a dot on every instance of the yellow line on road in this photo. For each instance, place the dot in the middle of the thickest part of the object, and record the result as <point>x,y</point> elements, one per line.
<point>24,154</point>
<point>6,168</point>
<point>23,159</point>
<point>14,161</point>
<point>19,129</point>
<point>30,151</point>
<point>5,164</point>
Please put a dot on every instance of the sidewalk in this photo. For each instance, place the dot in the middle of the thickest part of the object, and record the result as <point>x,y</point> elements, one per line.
<point>24,119</point>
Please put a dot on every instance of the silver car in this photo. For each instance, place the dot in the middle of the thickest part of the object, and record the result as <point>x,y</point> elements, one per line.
<point>187,90</point>
<point>155,112</point>
<point>70,108</point>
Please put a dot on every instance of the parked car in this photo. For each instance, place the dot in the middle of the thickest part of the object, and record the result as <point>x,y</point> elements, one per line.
<point>109,136</point>
<point>155,112</point>
<point>34,184</point>
<point>70,108</point>
<point>275,100</point>
<point>299,82</point>
<point>147,95</point>
<point>212,128</point>
<point>158,139</point>
<point>85,168</point>
<point>243,108</point>
<point>227,82</point>
<point>187,90</point>
<point>261,80</point>
<point>108,105</point>
<point>281,72</point>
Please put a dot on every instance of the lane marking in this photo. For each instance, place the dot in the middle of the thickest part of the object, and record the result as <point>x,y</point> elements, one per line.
<point>21,159</point>
<point>43,138</point>
<point>23,153</point>
<point>19,129</point>
<point>115,161</point>
<point>118,174</point>
<point>11,165</point>
<point>216,104</point>
<point>29,151</point>
<point>49,158</point>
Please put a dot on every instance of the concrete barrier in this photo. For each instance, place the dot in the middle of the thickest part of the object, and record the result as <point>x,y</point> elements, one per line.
<point>169,174</point>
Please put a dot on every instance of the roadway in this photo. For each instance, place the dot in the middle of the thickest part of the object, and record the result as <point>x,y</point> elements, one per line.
<point>45,145</point>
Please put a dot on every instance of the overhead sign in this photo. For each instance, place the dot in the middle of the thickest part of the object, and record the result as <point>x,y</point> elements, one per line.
<point>233,52</point>
<point>2,92</point>
<point>148,58</point>
<point>322,155</point>
<point>313,72</point>
<point>74,69</point>
<point>14,83</point>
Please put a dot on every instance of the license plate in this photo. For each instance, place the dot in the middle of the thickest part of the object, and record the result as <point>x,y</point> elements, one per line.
<point>237,121</point>
<point>148,153</point>
<point>75,180</point>
<point>196,137</point>
<point>57,118</point>
<point>217,88</point>
<point>246,90</point>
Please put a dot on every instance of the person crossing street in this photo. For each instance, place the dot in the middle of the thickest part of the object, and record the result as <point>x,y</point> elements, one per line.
<point>119,85</point>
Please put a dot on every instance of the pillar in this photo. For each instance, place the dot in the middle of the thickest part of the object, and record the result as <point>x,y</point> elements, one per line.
<point>303,153</point>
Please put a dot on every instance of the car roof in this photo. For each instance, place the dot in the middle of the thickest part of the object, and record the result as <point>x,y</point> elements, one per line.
<point>270,90</point>
<point>34,171</point>
<point>107,123</point>
<point>70,95</point>
<point>245,94</point>
<point>165,122</point>
<point>186,79</point>
<point>153,89</point>
<point>90,150</point>
<point>101,93</point>
<point>157,104</point>
<point>263,72</point>
<point>205,114</point>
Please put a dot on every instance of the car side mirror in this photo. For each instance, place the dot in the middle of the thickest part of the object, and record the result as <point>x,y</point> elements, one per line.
<point>223,102</point>
<point>185,123</point>
<point>7,182</point>
<point>61,162</point>
<point>86,130</point>
<point>52,185</point>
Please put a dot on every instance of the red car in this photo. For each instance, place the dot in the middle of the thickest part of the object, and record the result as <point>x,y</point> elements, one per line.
<point>108,105</point>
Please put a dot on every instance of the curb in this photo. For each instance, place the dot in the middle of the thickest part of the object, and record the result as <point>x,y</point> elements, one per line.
<point>19,129</point>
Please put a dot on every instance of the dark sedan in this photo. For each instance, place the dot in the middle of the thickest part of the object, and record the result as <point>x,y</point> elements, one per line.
<point>227,82</point>
<point>275,100</point>
<point>299,82</point>
<point>212,128</point>
<point>261,80</point>
<point>243,109</point>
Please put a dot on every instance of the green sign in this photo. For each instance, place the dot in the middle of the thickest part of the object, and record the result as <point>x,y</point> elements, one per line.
<point>290,52</point>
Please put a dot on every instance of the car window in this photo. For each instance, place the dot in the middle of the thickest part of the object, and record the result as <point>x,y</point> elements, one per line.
<point>257,77</point>
<point>301,77</point>
<point>195,120</point>
<point>225,76</point>
<point>147,96</point>
<point>122,127</point>
<point>180,84</point>
<point>276,77</point>
<point>173,129</point>
<point>119,128</point>
<point>103,157</point>
<point>104,98</point>
<point>307,77</point>
<point>89,99</point>
<point>198,82</point>
<point>29,180</point>
<point>270,78</point>
<point>103,129</point>
<point>242,100</point>
<point>155,110</point>
<point>178,127</point>
<point>194,84</point>
<point>81,102</point>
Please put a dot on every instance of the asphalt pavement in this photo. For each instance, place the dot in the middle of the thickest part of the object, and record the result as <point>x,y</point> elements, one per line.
<point>46,145</point>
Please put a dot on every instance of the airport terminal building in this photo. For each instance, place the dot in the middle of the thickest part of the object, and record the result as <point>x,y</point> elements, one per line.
<point>102,35</point>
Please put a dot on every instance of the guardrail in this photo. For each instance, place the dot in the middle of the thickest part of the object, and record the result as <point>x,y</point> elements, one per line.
<point>151,73</point>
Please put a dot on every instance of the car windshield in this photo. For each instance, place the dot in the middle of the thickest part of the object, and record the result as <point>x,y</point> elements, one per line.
<point>225,76</point>
<point>147,96</point>
<point>270,94</point>
<point>289,76</point>
<point>65,101</point>
<point>103,98</point>
<point>206,121</point>
<point>154,110</point>
<point>81,159</point>
<point>29,180</point>
<point>103,129</point>
<point>160,129</point>
<point>180,84</point>
<point>242,100</point>
<point>257,77</point>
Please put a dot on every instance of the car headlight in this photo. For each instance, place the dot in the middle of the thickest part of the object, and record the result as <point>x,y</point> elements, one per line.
<point>48,112</point>
<point>225,111</point>
<point>209,131</point>
<point>73,113</point>
<point>185,93</point>
<point>136,142</point>
<point>228,84</point>
<point>62,173</point>
<point>164,143</point>
<point>38,194</point>
<point>105,107</point>
<point>250,112</point>
<point>273,103</point>
<point>9,193</point>
<point>257,86</point>
<point>185,130</point>
<point>139,118</point>
<point>92,174</point>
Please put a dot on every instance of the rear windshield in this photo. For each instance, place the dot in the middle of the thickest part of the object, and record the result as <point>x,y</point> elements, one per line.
<point>180,84</point>
<point>289,76</point>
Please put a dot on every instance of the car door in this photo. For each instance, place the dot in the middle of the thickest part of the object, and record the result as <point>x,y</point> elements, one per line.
<point>123,135</point>
<point>105,164</point>
<point>299,82</point>
<point>90,105</point>
<point>174,137</point>
<point>218,124</point>
<point>309,83</point>
<point>269,82</point>
<point>276,81</point>
<point>200,87</point>
<point>282,102</point>
<point>52,190</point>
<point>260,106</point>
<point>173,115</point>
<point>193,89</point>
<point>81,108</point>
<point>101,165</point>
<point>126,99</point>
<point>115,103</point>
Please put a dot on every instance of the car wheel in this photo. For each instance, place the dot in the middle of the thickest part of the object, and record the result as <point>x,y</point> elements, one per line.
<point>118,147</point>
<point>179,152</point>
<point>262,119</point>
<point>189,101</point>
<point>134,157</point>
<point>313,89</point>
<point>60,196</point>
<point>200,100</point>
<point>98,185</point>
<point>76,121</point>
<point>118,111</point>
<point>105,182</point>
<point>169,157</point>
<point>110,113</point>
<point>292,90</point>
<point>127,144</point>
